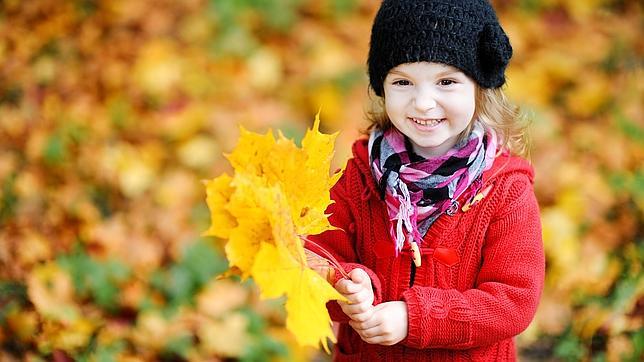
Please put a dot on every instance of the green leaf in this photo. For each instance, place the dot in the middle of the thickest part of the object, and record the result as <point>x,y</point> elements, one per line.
<point>78,266</point>
<point>179,346</point>
<point>180,284</point>
<point>256,323</point>
<point>182,280</point>
<point>203,261</point>
<point>343,7</point>
<point>120,111</point>
<point>99,280</point>
<point>108,353</point>
<point>55,151</point>
<point>629,127</point>
<point>638,346</point>
<point>57,147</point>
<point>105,282</point>
<point>570,347</point>
<point>86,8</point>
<point>8,198</point>
<point>100,196</point>
<point>599,357</point>
<point>263,346</point>
<point>530,6</point>
<point>263,349</point>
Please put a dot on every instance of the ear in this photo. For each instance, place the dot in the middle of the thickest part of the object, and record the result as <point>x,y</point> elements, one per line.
<point>494,54</point>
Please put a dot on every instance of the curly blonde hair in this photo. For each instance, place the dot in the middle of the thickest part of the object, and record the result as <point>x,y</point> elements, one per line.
<point>492,107</point>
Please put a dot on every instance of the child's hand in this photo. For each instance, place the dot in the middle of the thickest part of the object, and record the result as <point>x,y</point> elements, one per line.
<point>387,325</point>
<point>359,292</point>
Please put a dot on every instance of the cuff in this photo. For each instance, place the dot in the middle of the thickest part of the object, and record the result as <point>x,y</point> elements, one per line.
<point>436,320</point>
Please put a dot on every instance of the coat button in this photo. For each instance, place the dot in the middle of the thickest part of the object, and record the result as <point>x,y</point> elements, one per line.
<point>447,256</point>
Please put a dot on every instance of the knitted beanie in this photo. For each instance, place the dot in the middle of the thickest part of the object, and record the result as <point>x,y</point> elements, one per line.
<point>462,33</point>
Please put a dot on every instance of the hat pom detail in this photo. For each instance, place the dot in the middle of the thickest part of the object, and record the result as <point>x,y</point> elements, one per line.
<point>495,52</point>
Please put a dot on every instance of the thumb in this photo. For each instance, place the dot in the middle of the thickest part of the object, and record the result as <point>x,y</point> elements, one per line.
<point>360,276</point>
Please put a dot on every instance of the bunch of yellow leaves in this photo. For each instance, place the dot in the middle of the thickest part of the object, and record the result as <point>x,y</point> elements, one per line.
<point>277,196</point>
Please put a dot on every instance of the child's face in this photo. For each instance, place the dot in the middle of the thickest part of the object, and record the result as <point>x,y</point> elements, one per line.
<point>430,103</point>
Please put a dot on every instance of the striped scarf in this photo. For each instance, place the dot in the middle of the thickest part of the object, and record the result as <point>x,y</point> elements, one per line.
<point>418,190</point>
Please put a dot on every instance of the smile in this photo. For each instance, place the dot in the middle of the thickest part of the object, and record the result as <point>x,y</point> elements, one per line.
<point>427,122</point>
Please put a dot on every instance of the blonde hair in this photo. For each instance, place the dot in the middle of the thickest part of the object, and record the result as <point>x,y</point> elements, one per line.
<point>493,108</point>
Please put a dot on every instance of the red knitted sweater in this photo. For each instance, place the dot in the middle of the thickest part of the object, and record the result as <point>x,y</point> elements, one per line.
<point>482,269</point>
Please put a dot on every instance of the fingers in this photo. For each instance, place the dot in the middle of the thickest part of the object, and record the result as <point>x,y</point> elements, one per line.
<point>357,290</point>
<point>383,340</point>
<point>362,317</point>
<point>375,335</point>
<point>347,287</point>
<point>356,293</point>
<point>355,308</point>
<point>363,296</point>
<point>364,325</point>
<point>359,312</point>
<point>359,281</point>
<point>378,334</point>
<point>387,324</point>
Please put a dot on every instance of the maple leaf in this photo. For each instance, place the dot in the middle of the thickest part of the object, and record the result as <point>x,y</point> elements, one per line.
<point>277,196</point>
<point>276,273</point>
<point>218,192</point>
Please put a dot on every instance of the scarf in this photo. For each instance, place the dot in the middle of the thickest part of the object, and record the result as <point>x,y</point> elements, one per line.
<point>418,190</point>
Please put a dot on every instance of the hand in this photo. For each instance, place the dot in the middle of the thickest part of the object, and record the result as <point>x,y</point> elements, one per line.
<point>359,293</point>
<point>387,325</point>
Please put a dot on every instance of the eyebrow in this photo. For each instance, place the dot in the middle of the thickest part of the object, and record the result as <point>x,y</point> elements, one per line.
<point>447,72</point>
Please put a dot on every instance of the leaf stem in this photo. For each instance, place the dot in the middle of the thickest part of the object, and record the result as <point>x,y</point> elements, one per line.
<point>324,254</point>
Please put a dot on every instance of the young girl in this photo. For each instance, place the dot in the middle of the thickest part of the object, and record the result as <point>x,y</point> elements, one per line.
<point>438,222</point>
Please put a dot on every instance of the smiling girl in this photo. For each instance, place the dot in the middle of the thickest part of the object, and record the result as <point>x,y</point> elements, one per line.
<point>437,219</point>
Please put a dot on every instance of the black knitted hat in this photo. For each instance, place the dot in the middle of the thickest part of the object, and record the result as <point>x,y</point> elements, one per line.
<point>462,33</point>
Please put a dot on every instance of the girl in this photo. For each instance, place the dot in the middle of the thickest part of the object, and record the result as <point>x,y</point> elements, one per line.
<point>438,222</point>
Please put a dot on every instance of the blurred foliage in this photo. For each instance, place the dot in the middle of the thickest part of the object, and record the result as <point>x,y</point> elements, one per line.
<point>112,112</point>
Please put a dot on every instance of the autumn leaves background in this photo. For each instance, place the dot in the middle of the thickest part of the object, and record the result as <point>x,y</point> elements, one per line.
<point>112,112</point>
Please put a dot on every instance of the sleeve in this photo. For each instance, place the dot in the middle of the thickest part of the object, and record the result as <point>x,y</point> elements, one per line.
<point>341,244</point>
<point>507,289</point>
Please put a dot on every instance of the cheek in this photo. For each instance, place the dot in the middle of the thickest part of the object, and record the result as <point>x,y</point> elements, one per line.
<point>394,103</point>
<point>389,107</point>
<point>469,108</point>
<point>464,105</point>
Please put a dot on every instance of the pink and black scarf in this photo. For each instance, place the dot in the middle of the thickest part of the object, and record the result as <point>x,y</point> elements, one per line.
<point>418,190</point>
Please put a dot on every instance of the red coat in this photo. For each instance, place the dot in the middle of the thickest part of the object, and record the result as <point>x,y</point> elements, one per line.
<point>482,269</point>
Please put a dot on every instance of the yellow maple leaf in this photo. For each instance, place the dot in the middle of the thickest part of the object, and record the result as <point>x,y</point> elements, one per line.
<point>252,151</point>
<point>277,274</point>
<point>277,196</point>
<point>218,192</point>
<point>244,242</point>
<point>319,151</point>
<point>283,228</point>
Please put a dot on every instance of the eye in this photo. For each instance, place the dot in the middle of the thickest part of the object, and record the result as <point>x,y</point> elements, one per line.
<point>446,82</point>
<point>402,82</point>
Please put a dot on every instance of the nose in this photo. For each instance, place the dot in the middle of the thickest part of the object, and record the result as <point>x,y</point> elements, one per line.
<point>424,99</point>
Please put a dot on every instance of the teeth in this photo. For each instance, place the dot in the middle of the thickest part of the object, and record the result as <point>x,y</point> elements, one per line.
<point>427,122</point>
